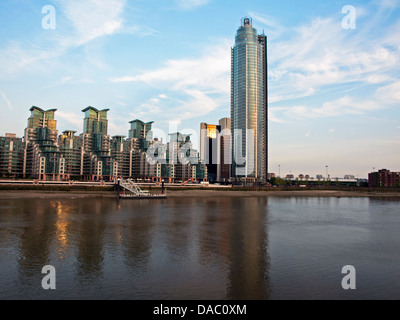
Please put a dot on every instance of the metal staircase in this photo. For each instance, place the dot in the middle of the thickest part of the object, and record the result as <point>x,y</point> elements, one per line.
<point>133,187</point>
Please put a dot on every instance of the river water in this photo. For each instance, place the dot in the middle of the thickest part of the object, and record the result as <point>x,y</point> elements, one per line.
<point>200,248</point>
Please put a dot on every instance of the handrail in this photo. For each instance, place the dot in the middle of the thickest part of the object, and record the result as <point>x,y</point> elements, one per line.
<point>132,187</point>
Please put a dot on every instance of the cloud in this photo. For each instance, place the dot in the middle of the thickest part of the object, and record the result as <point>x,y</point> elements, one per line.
<point>75,121</point>
<point>195,103</point>
<point>274,28</point>
<point>389,94</point>
<point>273,117</point>
<point>17,56</point>
<point>93,18</point>
<point>320,59</point>
<point>346,105</point>
<point>314,57</point>
<point>210,72</point>
<point>78,24</point>
<point>203,83</point>
<point>8,102</point>
<point>85,21</point>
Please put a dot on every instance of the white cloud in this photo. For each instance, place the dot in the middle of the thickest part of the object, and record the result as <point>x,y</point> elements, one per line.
<point>78,24</point>
<point>346,105</point>
<point>8,102</point>
<point>204,83</point>
<point>320,57</point>
<point>75,121</point>
<point>379,78</point>
<point>274,29</point>
<point>93,18</point>
<point>313,57</point>
<point>210,72</point>
<point>17,56</point>
<point>390,93</point>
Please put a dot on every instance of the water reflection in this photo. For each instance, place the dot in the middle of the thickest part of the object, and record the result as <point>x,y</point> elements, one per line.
<point>245,242</point>
<point>62,224</point>
<point>35,237</point>
<point>136,232</point>
<point>89,231</point>
<point>199,248</point>
<point>179,248</point>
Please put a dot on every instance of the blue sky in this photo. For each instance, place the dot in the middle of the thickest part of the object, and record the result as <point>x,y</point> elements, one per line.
<point>334,93</point>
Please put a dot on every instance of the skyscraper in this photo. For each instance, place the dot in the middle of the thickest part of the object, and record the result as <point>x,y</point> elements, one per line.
<point>249,103</point>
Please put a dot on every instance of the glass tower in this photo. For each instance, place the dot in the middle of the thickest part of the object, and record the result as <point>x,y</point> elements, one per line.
<point>249,103</point>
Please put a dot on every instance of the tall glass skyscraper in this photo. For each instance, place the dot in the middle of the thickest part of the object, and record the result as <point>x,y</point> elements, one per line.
<point>249,104</point>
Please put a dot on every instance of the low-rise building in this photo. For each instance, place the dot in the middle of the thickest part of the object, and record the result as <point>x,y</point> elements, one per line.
<point>11,156</point>
<point>384,178</point>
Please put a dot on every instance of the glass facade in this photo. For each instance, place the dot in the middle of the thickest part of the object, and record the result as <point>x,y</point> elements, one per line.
<point>95,121</point>
<point>249,103</point>
<point>41,118</point>
<point>142,131</point>
<point>71,147</point>
<point>11,156</point>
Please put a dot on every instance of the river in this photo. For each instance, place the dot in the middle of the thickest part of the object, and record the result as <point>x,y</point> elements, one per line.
<point>228,248</point>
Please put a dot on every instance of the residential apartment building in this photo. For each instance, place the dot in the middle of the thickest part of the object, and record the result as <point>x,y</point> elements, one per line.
<point>42,157</point>
<point>249,104</point>
<point>384,178</point>
<point>94,155</point>
<point>11,156</point>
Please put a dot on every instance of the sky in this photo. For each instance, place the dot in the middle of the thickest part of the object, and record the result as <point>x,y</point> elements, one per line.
<point>334,72</point>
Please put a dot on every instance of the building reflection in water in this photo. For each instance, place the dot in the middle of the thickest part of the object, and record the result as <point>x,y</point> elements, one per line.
<point>189,248</point>
<point>35,237</point>
<point>89,227</point>
<point>237,228</point>
<point>137,222</point>
<point>62,225</point>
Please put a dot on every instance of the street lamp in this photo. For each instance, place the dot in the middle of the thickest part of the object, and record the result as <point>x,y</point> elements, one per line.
<point>279,170</point>
<point>326,173</point>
